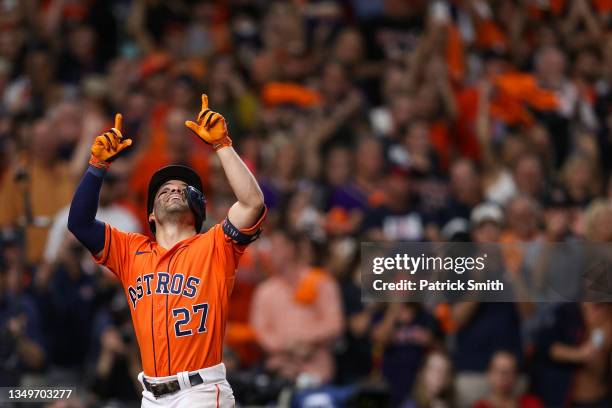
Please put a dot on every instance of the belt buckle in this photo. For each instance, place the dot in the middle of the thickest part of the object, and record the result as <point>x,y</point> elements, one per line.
<point>196,379</point>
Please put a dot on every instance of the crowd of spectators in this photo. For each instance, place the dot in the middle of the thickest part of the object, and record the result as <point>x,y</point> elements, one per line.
<point>362,120</point>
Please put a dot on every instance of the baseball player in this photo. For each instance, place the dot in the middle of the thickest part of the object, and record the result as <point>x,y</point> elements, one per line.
<point>178,285</point>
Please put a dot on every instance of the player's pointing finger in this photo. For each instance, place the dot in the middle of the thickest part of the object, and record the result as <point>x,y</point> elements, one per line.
<point>118,121</point>
<point>204,101</point>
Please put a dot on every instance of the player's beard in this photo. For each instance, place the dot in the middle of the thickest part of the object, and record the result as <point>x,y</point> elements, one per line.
<point>175,205</point>
<point>173,209</point>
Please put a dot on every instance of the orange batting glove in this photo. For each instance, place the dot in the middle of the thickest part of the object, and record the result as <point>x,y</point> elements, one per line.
<point>108,145</point>
<point>211,127</point>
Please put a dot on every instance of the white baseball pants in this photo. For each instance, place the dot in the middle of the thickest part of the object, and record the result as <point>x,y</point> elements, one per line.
<point>214,392</point>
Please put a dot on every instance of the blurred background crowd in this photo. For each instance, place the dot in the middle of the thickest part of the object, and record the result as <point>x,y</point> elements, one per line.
<point>363,120</point>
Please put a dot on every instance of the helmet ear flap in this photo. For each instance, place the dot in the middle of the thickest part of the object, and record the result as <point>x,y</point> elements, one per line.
<point>197,204</point>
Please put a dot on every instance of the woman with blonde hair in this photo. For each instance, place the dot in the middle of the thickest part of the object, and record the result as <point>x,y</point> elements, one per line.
<point>597,221</point>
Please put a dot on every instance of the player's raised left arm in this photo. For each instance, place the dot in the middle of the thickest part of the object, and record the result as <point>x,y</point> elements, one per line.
<point>247,210</point>
<point>212,129</point>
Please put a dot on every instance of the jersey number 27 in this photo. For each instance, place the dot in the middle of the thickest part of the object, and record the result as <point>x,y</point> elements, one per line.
<point>186,318</point>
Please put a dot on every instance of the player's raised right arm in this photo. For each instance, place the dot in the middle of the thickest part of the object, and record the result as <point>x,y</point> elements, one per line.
<point>82,217</point>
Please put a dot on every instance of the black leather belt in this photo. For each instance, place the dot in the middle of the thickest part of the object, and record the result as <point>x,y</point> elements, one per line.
<point>170,387</point>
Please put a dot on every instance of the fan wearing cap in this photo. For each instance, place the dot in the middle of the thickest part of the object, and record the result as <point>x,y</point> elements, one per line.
<point>177,285</point>
<point>487,220</point>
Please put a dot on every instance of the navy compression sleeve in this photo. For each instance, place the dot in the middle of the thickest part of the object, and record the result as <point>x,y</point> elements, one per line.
<point>82,217</point>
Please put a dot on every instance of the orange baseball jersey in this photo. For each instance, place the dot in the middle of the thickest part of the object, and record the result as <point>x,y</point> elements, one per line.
<point>178,297</point>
